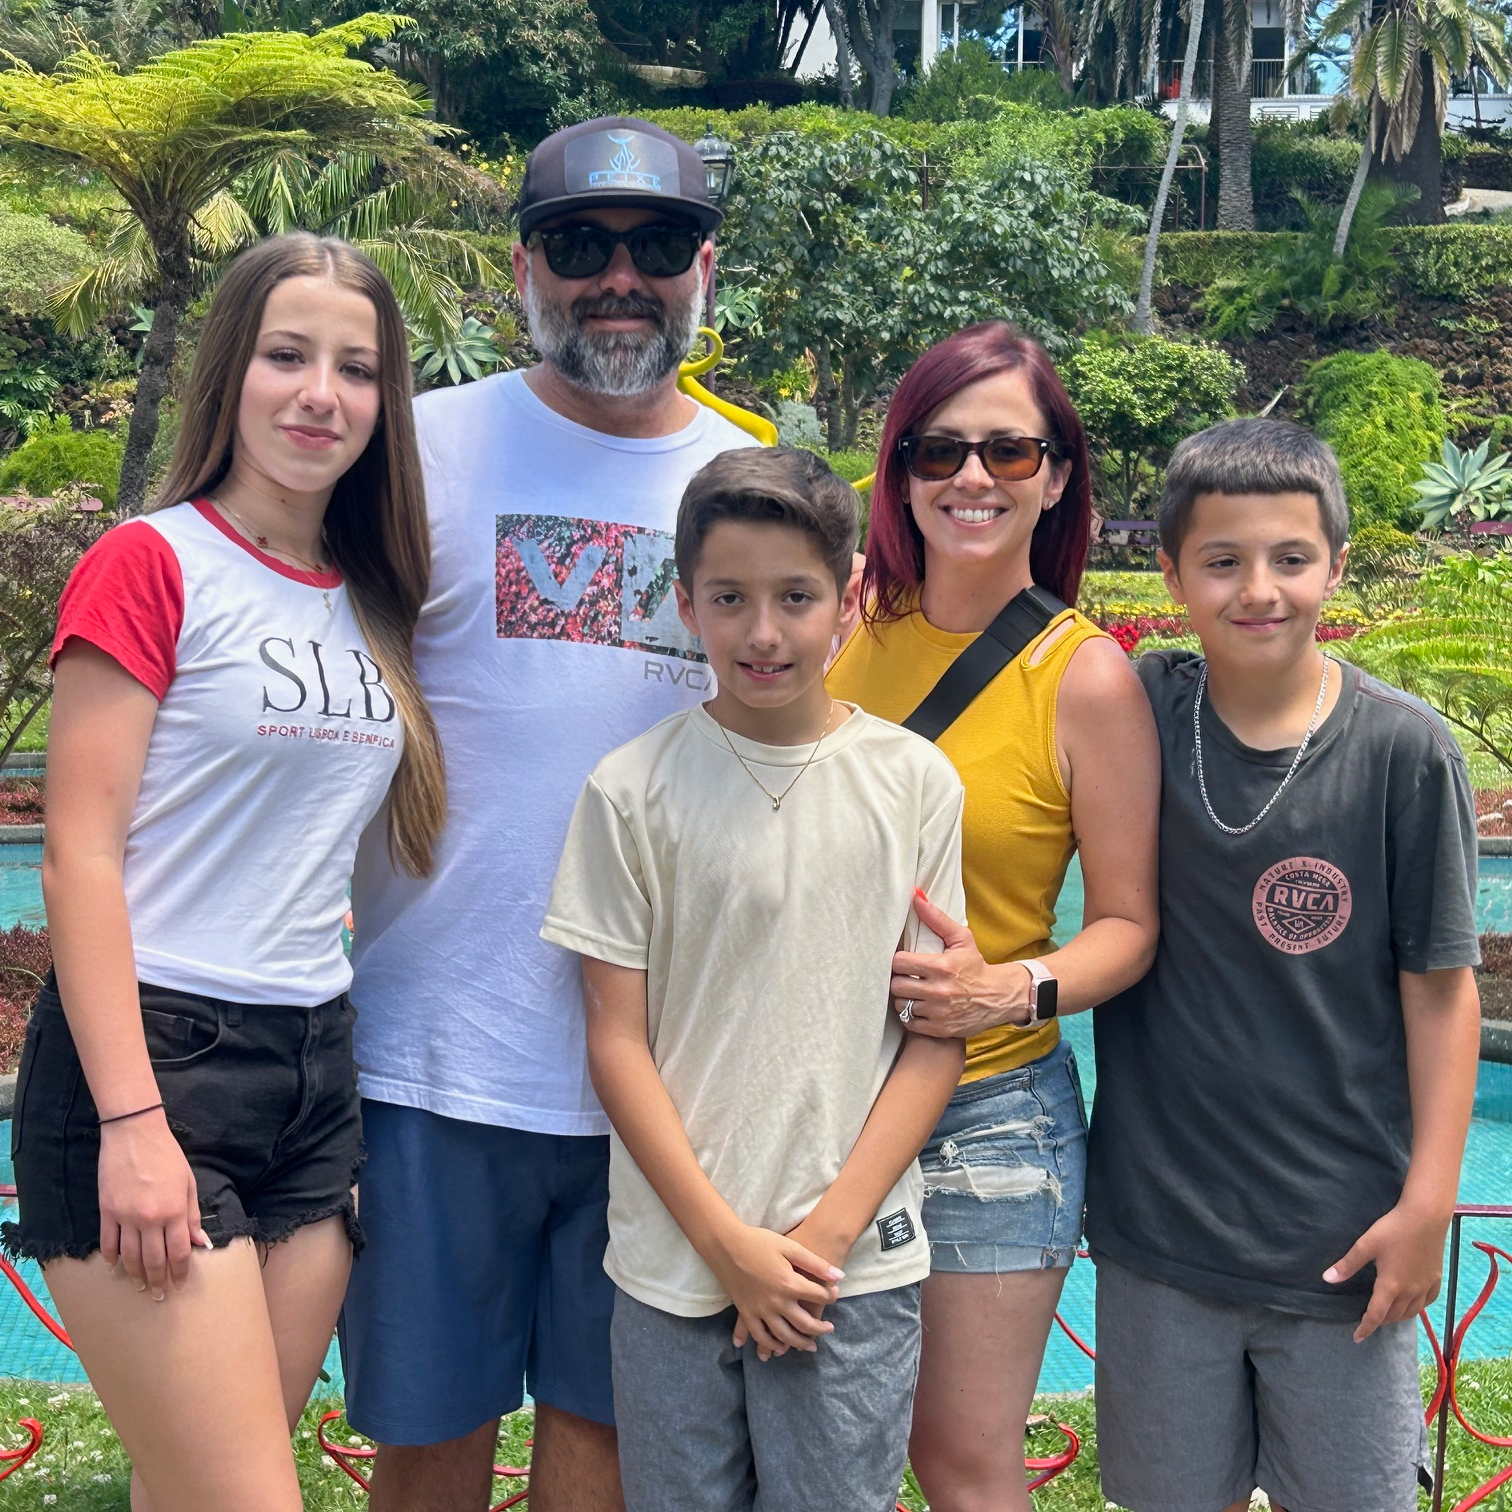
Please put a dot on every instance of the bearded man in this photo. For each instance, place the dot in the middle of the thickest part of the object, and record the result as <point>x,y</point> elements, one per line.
<point>550,636</point>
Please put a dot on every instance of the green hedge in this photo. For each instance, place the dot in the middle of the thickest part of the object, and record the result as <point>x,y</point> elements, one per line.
<point>1437,261</point>
<point>1456,261</point>
<point>1384,417</point>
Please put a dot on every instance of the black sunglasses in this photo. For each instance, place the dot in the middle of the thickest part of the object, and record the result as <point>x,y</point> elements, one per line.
<point>1009,459</point>
<point>659,250</point>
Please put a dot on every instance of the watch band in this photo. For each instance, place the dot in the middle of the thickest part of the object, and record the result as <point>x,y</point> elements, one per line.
<point>1044,991</point>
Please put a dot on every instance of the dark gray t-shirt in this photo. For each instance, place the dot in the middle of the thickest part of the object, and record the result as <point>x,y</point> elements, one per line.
<point>1252,1116</point>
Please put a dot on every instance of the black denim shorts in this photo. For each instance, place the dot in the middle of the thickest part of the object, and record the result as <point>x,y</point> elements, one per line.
<point>263,1101</point>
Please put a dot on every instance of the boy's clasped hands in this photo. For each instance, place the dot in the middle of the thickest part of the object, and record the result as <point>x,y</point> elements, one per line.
<point>779,1285</point>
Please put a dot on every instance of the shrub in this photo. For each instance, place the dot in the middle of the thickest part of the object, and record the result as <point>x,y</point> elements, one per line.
<point>35,257</point>
<point>1199,259</point>
<point>968,82</point>
<point>1496,954</point>
<point>1138,396</point>
<point>852,465</point>
<point>1459,262</point>
<point>59,455</point>
<point>1286,158</point>
<point>25,960</point>
<point>1384,417</point>
<point>1327,291</point>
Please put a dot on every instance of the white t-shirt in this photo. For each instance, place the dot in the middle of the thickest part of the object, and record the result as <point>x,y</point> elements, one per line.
<point>274,745</point>
<point>767,939</point>
<point>550,637</point>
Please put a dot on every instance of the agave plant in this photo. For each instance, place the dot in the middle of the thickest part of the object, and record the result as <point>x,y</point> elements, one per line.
<point>471,349</point>
<point>1473,482</point>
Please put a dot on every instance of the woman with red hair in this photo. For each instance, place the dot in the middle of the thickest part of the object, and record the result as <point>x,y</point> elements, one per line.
<point>983,492</point>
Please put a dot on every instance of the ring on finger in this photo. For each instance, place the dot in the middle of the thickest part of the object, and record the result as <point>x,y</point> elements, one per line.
<point>906,1012</point>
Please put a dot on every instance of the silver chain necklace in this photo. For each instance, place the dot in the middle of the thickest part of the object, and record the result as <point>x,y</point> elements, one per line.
<point>1291,771</point>
<point>778,797</point>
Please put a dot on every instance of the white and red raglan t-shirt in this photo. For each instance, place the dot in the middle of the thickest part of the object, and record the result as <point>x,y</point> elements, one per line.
<point>274,745</point>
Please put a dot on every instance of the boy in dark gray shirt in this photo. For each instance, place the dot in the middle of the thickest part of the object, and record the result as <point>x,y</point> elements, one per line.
<point>1282,1102</point>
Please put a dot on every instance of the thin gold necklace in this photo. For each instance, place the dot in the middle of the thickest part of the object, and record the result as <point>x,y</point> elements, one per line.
<point>778,797</point>
<point>264,545</point>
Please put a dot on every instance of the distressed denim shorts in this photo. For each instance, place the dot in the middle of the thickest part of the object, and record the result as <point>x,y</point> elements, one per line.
<point>1005,1172</point>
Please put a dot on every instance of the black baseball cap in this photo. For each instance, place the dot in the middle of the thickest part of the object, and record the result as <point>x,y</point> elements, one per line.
<point>615,161</point>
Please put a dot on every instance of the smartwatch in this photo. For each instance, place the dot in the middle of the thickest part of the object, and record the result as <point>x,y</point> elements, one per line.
<point>1044,991</point>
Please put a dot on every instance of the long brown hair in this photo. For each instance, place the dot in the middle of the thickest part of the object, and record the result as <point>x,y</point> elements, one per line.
<point>375,524</point>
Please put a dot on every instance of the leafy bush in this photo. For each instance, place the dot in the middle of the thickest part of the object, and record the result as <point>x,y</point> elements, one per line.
<point>1455,650</point>
<point>1384,417</point>
<point>1327,291</point>
<point>967,83</point>
<point>1500,437</point>
<point>58,455</point>
<point>829,241</point>
<point>798,425</point>
<point>1138,396</point>
<point>1286,158</point>
<point>1459,262</point>
<point>35,257</point>
<point>852,465</point>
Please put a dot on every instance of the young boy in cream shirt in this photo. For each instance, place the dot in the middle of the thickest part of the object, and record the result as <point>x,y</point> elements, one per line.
<point>737,880</point>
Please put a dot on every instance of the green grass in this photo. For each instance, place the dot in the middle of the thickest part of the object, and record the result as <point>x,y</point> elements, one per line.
<point>81,1467</point>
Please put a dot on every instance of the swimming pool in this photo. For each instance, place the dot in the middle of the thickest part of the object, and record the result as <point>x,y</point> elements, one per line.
<point>28,1352</point>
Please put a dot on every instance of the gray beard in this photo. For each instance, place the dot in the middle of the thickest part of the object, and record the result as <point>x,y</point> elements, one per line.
<point>619,365</point>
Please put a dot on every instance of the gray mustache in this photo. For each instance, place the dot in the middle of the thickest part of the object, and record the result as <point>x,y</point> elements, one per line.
<point>615,307</point>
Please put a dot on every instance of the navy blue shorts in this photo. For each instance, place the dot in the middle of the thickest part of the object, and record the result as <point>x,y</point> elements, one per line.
<point>483,1273</point>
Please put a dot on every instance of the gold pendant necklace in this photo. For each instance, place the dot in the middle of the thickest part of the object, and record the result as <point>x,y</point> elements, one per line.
<point>778,797</point>
<point>262,544</point>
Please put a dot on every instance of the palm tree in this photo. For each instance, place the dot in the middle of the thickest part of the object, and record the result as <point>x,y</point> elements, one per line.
<point>1143,322</point>
<point>174,136</point>
<point>1405,54</point>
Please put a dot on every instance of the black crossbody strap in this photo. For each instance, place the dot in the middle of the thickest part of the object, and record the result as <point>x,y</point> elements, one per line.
<point>1023,617</point>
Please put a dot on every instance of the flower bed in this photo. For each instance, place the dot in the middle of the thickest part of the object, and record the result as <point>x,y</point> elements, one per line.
<point>25,959</point>
<point>1493,816</point>
<point>22,801</point>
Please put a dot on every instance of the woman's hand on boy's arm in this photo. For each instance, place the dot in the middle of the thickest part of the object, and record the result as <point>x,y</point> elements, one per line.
<point>766,1274</point>
<point>1441,1010</point>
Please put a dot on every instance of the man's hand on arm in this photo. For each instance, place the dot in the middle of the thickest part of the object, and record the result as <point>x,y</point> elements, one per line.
<point>1406,1245</point>
<point>772,1279</point>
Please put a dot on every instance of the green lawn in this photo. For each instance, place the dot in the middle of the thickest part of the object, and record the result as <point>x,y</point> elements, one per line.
<point>81,1467</point>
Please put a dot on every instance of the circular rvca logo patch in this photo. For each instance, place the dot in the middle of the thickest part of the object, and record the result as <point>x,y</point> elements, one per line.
<point>1302,904</point>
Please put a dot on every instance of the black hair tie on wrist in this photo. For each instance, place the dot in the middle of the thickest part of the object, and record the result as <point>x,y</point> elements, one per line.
<point>117,1118</point>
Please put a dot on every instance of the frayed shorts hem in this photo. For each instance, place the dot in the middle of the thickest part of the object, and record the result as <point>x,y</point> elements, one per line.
<point>983,1258</point>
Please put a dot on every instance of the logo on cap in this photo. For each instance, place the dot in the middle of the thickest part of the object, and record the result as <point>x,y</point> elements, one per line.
<point>623,171</point>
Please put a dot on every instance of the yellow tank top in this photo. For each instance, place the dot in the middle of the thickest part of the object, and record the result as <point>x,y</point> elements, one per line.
<point>1017,838</point>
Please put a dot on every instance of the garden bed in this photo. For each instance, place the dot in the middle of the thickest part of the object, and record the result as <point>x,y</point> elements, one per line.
<point>23,800</point>
<point>1465,344</point>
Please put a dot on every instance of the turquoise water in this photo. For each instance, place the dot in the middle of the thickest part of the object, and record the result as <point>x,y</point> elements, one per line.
<point>28,1352</point>
<point>21,886</point>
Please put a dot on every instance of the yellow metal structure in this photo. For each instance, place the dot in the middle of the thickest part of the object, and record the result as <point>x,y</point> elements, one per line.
<point>688,374</point>
<point>690,371</point>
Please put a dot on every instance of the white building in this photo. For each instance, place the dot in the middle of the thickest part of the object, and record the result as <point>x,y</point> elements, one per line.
<point>926,28</point>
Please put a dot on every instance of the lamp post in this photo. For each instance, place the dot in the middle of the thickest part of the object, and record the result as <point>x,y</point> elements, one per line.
<point>719,173</point>
<point>719,164</point>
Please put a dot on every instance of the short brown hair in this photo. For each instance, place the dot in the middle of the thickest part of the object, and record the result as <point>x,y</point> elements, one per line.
<point>1252,456</point>
<point>779,483</point>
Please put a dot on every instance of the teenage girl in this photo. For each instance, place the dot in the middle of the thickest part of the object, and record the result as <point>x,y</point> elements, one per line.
<point>234,699</point>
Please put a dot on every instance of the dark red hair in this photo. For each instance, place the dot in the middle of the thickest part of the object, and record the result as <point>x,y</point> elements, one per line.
<point>894,544</point>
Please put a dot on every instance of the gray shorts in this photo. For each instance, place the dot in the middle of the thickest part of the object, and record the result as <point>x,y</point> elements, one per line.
<point>1200,1402</point>
<point>705,1427</point>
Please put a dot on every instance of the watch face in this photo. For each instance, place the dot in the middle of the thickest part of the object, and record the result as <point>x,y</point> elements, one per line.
<point>1045,999</point>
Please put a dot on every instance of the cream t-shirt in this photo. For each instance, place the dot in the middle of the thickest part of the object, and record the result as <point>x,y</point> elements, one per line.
<point>767,939</point>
